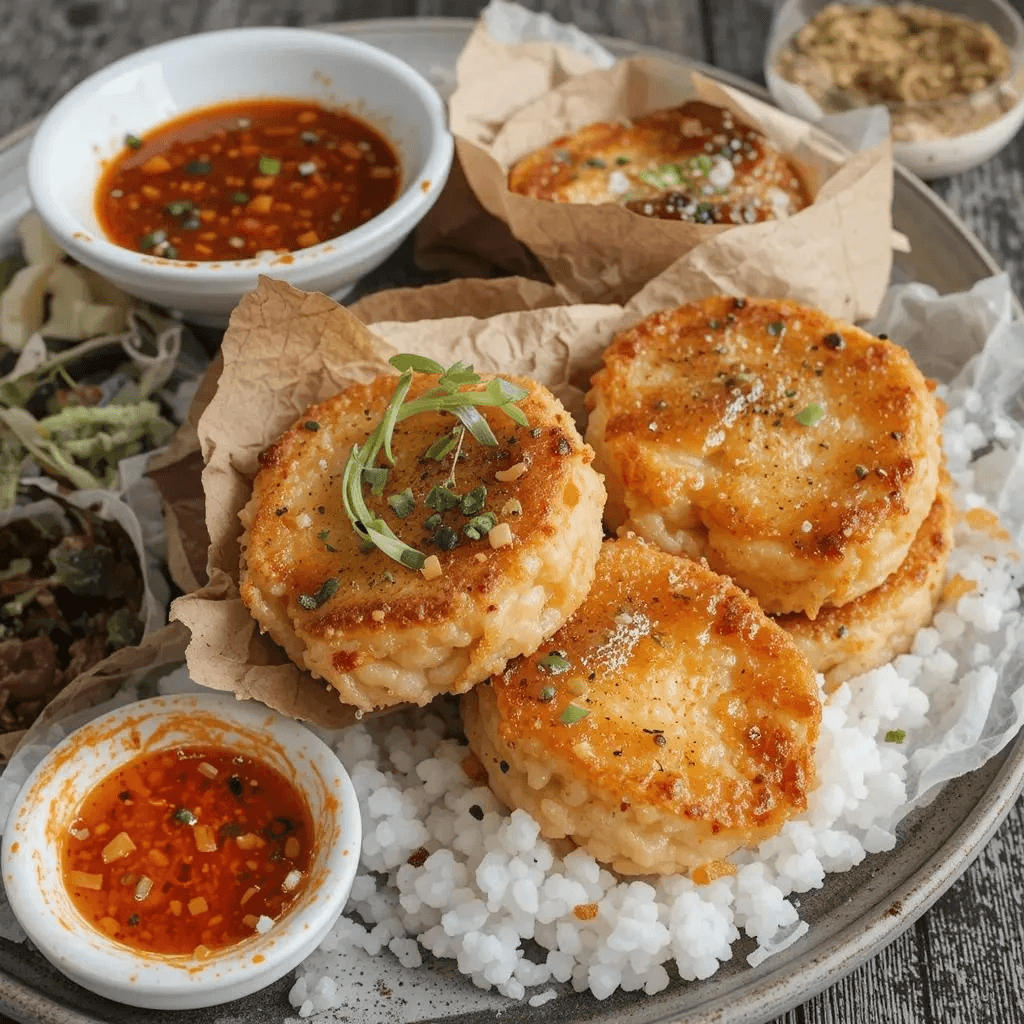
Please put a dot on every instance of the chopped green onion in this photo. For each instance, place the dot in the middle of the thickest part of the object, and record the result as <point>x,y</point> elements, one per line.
<point>311,425</point>
<point>239,198</point>
<point>441,499</point>
<point>595,162</point>
<point>665,176</point>
<point>169,252</point>
<point>622,160</point>
<point>479,526</point>
<point>133,141</point>
<point>445,538</point>
<point>861,471</point>
<point>573,713</point>
<point>473,502</point>
<point>269,165</point>
<point>776,328</point>
<point>184,816</point>
<point>154,238</point>
<point>547,694</point>
<point>446,396</point>
<point>895,736</point>
<point>402,503</point>
<point>198,167</point>
<point>313,601</point>
<point>441,447</point>
<point>703,163</point>
<point>377,478</point>
<point>179,207</point>
<point>554,664</point>
<point>810,415</point>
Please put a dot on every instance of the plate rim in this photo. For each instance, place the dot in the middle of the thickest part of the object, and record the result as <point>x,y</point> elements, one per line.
<point>779,990</point>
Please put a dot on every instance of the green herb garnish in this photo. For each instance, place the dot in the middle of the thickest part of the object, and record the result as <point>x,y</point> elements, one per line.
<point>445,538</point>
<point>432,522</point>
<point>402,503</point>
<point>445,396</point>
<point>311,425</point>
<point>240,198</point>
<point>479,526</point>
<point>198,167</point>
<point>547,694</point>
<point>473,503</point>
<point>153,239</point>
<point>573,713</point>
<point>622,160</point>
<point>185,817</point>
<point>776,328</point>
<point>861,471</point>
<point>595,162</point>
<point>377,478</point>
<point>554,663</point>
<point>895,736</point>
<point>313,601</point>
<point>133,141</point>
<point>440,449</point>
<point>665,176</point>
<point>269,165</point>
<point>810,414</point>
<point>441,499</point>
<point>178,207</point>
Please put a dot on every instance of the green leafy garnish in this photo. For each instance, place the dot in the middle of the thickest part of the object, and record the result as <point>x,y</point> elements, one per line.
<point>445,396</point>
<point>313,601</point>
<point>179,207</point>
<point>547,694</point>
<point>269,165</point>
<point>573,713</point>
<point>198,167</point>
<point>665,176</point>
<point>377,478</point>
<point>472,503</point>
<point>895,736</point>
<point>240,198</point>
<point>810,414</point>
<point>776,328</point>
<point>479,526</point>
<point>133,141</point>
<point>554,663</point>
<point>185,817</point>
<point>441,499</point>
<point>403,503</point>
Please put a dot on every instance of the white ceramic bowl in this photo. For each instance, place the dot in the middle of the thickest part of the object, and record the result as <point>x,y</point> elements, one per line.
<point>928,158</point>
<point>135,94</point>
<point>49,801</point>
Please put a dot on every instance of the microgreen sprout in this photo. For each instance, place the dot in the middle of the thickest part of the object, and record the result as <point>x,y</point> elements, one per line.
<point>446,396</point>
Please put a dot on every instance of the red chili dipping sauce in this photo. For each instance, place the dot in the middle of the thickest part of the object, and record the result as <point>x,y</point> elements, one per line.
<point>188,850</point>
<point>230,181</point>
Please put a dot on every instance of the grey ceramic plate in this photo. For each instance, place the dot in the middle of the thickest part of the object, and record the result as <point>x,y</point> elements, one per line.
<point>851,918</point>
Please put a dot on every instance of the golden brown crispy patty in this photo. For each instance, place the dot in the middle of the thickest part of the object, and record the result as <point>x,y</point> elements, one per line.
<point>847,640</point>
<point>675,723</point>
<point>385,633</point>
<point>795,452</point>
<point>695,162</point>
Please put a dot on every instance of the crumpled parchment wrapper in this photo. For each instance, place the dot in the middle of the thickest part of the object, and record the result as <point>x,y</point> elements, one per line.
<point>285,349</point>
<point>513,98</point>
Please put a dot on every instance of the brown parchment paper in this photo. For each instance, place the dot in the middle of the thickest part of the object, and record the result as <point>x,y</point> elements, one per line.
<point>285,349</point>
<point>836,254</point>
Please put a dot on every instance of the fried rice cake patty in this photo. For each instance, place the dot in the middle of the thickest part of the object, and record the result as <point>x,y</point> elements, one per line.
<point>388,634</point>
<point>699,719</point>
<point>796,453</point>
<point>695,162</point>
<point>844,641</point>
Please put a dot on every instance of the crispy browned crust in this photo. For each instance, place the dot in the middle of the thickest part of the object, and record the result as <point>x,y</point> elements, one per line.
<point>298,534</point>
<point>701,410</point>
<point>699,707</point>
<point>584,167</point>
<point>856,637</point>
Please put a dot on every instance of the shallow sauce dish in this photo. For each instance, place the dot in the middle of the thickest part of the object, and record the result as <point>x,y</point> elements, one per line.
<point>88,127</point>
<point>49,803</point>
<point>927,157</point>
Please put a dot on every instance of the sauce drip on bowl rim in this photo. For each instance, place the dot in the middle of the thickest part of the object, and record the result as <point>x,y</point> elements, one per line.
<point>238,179</point>
<point>188,850</point>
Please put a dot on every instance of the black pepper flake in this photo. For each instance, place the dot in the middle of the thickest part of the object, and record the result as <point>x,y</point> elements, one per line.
<point>841,632</point>
<point>235,785</point>
<point>504,766</point>
<point>134,921</point>
<point>280,511</point>
<point>835,341</point>
<point>477,812</point>
<point>883,337</point>
<point>124,795</point>
<point>739,303</point>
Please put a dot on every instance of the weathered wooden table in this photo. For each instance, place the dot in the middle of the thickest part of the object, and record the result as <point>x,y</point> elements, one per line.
<point>963,961</point>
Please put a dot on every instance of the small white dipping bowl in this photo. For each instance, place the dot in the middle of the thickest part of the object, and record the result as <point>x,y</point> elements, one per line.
<point>87,128</point>
<point>50,801</point>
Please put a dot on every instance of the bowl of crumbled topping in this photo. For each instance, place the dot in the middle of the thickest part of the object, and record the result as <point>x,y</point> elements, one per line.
<point>951,74</point>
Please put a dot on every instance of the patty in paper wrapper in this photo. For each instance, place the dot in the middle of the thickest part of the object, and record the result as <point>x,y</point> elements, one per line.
<point>379,632</point>
<point>798,454</point>
<point>694,162</point>
<point>673,724</point>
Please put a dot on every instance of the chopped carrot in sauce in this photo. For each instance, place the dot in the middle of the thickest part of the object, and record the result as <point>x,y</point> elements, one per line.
<point>204,843</point>
<point>244,166</point>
